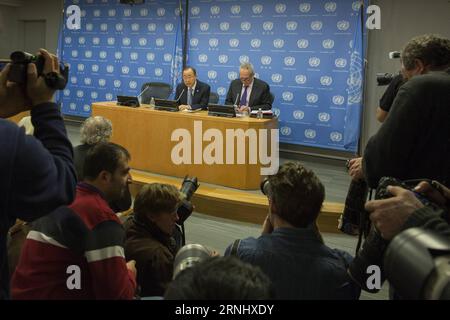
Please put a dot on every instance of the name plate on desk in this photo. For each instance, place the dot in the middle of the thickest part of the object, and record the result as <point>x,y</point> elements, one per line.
<point>218,110</point>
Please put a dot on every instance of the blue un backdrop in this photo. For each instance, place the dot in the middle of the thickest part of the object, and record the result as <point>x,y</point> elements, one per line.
<point>310,53</point>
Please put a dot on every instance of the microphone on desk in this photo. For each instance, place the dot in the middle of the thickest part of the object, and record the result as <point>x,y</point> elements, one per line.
<point>142,92</point>
<point>179,97</point>
<point>235,105</point>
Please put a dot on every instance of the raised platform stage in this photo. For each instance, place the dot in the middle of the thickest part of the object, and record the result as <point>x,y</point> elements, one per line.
<point>232,203</point>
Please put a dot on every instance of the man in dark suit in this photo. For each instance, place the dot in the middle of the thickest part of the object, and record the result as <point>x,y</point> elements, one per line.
<point>193,94</point>
<point>248,92</point>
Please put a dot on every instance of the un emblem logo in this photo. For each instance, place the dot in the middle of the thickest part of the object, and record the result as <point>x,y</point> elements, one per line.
<point>104,27</point>
<point>167,57</point>
<point>266,60</point>
<point>169,27</point>
<point>278,43</point>
<point>89,27</point>
<point>80,94</point>
<point>236,9</point>
<point>160,42</point>
<point>312,98</point>
<point>336,136</point>
<point>151,27</point>
<point>244,59</point>
<point>212,74</point>
<point>300,79</point>
<point>96,41</point>
<point>224,26</point>
<point>87,81</point>
<point>302,43</point>
<point>109,96</point>
<point>97,13</point>
<point>86,108</point>
<point>214,42</point>
<point>102,54</point>
<point>134,56</point>
<point>280,8</point>
<point>223,58</point>
<point>338,100</point>
<point>133,84</point>
<point>161,12</point>
<point>125,70</point>
<point>324,117</point>
<point>257,9</point>
<point>88,54</point>
<point>68,40</point>
<point>291,25</point>
<point>110,69</point>
<point>286,131</point>
<point>277,78</point>
<point>215,10</point>
<point>126,42</point>
<point>289,61</point>
<point>328,44</point>
<point>221,91</point>
<point>81,40</point>
<point>94,95</point>
<point>112,13</point>
<point>150,56</point>
<point>255,43</point>
<point>326,81</point>
<point>314,62</point>
<point>127,13</point>
<point>73,80</point>
<point>340,63</point>
<point>310,133</point>
<point>246,26</point>
<point>203,58</point>
<point>67,92</point>
<point>343,25</point>
<point>111,41</point>
<point>299,115</point>
<point>232,75</point>
<point>234,43</point>
<point>119,27</point>
<point>118,55</point>
<point>135,27</point>
<point>95,68</point>
<point>356,5</point>
<point>276,111</point>
<point>268,26</point>
<point>158,72</point>
<point>80,67</point>
<point>102,82</point>
<point>304,7</point>
<point>142,42</point>
<point>204,26</point>
<point>288,96</point>
<point>73,106</point>
<point>194,42</point>
<point>330,6</point>
<point>143,12</point>
<point>142,71</point>
<point>195,11</point>
<point>316,25</point>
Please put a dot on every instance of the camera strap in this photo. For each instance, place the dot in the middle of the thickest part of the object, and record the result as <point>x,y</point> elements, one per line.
<point>234,248</point>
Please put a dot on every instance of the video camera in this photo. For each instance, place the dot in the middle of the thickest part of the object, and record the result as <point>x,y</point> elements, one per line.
<point>19,65</point>
<point>384,79</point>
<point>374,247</point>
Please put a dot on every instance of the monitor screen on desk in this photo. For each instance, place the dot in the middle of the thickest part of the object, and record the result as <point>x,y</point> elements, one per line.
<point>128,101</point>
<point>220,110</point>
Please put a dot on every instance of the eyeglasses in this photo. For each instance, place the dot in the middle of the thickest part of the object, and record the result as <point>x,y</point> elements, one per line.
<point>246,79</point>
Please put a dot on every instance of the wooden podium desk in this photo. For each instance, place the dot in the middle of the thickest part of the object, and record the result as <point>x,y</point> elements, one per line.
<point>146,133</point>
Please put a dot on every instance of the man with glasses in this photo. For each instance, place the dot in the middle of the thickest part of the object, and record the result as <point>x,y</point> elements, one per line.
<point>193,94</point>
<point>249,93</point>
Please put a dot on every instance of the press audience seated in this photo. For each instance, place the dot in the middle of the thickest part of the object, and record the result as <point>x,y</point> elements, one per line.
<point>290,250</point>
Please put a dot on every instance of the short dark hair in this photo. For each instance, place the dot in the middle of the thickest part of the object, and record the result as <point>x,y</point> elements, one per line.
<point>221,278</point>
<point>297,194</point>
<point>192,68</point>
<point>432,50</point>
<point>104,156</point>
<point>156,198</point>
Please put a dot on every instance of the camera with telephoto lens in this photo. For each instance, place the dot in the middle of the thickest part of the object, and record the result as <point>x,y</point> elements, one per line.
<point>265,187</point>
<point>19,65</point>
<point>188,256</point>
<point>384,79</point>
<point>188,188</point>
<point>374,247</point>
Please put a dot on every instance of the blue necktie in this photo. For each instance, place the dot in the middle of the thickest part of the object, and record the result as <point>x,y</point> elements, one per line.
<point>189,97</point>
<point>244,97</point>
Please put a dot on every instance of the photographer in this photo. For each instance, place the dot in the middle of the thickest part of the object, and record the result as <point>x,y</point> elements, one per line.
<point>36,172</point>
<point>413,141</point>
<point>388,97</point>
<point>150,236</point>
